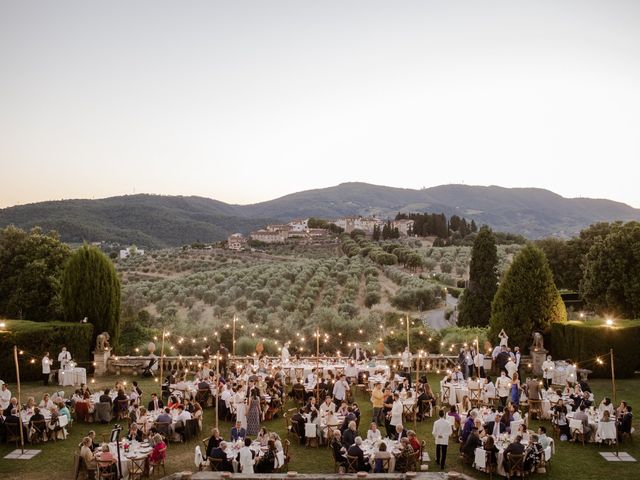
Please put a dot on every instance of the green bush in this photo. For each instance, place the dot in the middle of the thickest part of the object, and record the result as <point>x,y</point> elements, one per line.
<point>36,338</point>
<point>584,342</point>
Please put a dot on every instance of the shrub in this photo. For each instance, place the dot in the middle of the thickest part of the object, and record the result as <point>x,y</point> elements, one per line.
<point>583,343</point>
<point>36,338</point>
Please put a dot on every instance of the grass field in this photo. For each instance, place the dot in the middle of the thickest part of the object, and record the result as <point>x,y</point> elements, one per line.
<point>570,462</point>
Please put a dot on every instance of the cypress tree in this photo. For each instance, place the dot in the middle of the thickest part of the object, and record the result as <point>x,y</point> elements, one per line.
<point>91,288</point>
<point>527,300</point>
<point>475,304</point>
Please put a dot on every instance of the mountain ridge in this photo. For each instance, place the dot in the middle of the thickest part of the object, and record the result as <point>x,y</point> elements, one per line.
<point>162,220</point>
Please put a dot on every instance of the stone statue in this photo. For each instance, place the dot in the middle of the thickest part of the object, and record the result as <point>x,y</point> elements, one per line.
<point>102,342</point>
<point>538,341</point>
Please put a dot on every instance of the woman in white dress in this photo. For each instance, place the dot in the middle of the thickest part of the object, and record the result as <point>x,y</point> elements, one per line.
<point>240,400</point>
<point>396,412</point>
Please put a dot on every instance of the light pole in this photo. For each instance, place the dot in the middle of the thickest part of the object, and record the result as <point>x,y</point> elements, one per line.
<point>233,343</point>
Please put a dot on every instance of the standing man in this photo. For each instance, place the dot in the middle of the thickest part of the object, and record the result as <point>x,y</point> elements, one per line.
<point>340,389</point>
<point>46,368</point>
<point>478,362</point>
<point>206,353</point>
<point>377,399</point>
<point>441,432</point>
<point>406,364</point>
<point>64,358</point>
<point>224,355</point>
<point>503,386</point>
<point>547,371</point>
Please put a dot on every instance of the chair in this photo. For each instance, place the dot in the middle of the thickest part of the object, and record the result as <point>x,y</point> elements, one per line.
<point>203,396</point>
<point>123,409</point>
<point>352,464</point>
<point>79,467</point>
<point>159,464</point>
<point>311,434</point>
<point>295,431</point>
<point>490,467</point>
<point>38,431</point>
<point>103,412</point>
<point>163,427</point>
<point>286,458</point>
<point>408,411</point>
<point>475,397</point>
<point>215,464</point>
<point>105,471</point>
<point>414,462</point>
<point>577,430</point>
<point>445,394</point>
<point>13,433</point>
<point>535,408</point>
<point>138,468</point>
<point>384,465</point>
<point>298,394</point>
<point>427,409</point>
<point>516,465</point>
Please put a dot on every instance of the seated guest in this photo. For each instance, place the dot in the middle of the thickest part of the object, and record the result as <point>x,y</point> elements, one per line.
<point>338,450</point>
<point>214,441</point>
<point>606,406</point>
<point>181,421</point>
<point>413,440</point>
<point>155,403</point>
<point>237,432</point>
<point>46,402</point>
<point>469,423</point>
<point>263,437</point>
<point>624,426</point>
<point>64,410</point>
<point>106,459</point>
<point>159,451</point>
<point>496,427</point>
<point>267,462</point>
<point>87,455</point>
<point>36,417</point>
<point>173,402</point>
<point>492,450</point>
<point>533,454</point>
<point>355,450</point>
<point>105,398</point>
<point>473,441</point>
<point>453,412</point>
<point>164,422</point>
<point>379,457</point>
<point>584,418</point>
<point>560,419</point>
<point>134,433</point>
<point>515,448</point>
<point>542,437</point>
<point>220,453</point>
<point>92,436</point>
<point>297,424</point>
<point>349,435</point>
<point>350,417</point>
<point>374,434</point>
<point>403,461</point>
<point>400,432</point>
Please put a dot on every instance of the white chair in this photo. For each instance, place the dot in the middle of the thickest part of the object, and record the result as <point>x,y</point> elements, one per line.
<point>606,432</point>
<point>514,426</point>
<point>311,433</point>
<point>577,430</point>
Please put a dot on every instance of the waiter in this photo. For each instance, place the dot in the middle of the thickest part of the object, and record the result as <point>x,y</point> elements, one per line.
<point>46,368</point>
<point>64,358</point>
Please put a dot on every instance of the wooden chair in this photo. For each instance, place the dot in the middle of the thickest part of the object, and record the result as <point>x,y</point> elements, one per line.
<point>490,466</point>
<point>298,394</point>
<point>79,467</point>
<point>384,465</point>
<point>535,408</point>
<point>138,468</point>
<point>159,464</point>
<point>408,412</point>
<point>554,423</point>
<point>123,409</point>
<point>445,395</point>
<point>427,409</point>
<point>295,432</point>
<point>215,464</point>
<point>164,428</point>
<point>577,430</point>
<point>38,435</point>
<point>475,397</point>
<point>13,432</point>
<point>516,465</point>
<point>203,396</point>
<point>299,372</point>
<point>352,464</point>
<point>286,447</point>
<point>105,471</point>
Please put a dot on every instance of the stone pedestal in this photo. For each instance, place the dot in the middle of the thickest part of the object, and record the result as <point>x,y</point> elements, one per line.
<point>100,358</point>
<point>538,356</point>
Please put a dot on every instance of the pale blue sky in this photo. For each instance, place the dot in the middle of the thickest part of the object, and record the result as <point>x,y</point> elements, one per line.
<point>246,101</point>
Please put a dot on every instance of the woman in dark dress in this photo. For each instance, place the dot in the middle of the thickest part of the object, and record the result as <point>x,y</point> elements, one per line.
<point>253,412</point>
<point>268,461</point>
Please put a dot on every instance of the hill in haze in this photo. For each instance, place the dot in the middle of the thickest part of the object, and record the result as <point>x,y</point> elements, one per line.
<point>159,221</point>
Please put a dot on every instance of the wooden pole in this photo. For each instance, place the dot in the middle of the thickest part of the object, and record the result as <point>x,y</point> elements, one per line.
<point>416,405</point>
<point>217,385</point>
<point>613,377</point>
<point>162,362</point>
<point>317,367</point>
<point>15,357</point>
<point>408,346</point>
<point>233,346</point>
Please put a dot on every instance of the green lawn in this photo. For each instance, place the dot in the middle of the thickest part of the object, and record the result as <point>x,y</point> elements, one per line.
<point>570,462</point>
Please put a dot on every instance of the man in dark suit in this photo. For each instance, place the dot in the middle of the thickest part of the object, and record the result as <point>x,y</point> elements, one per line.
<point>155,403</point>
<point>221,454</point>
<point>496,427</point>
<point>36,417</point>
<point>349,417</point>
<point>299,420</point>
<point>514,448</point>
<point>355,450</point>
<point>473,442</point>
<point>238,433</point>
<point>502,359</point>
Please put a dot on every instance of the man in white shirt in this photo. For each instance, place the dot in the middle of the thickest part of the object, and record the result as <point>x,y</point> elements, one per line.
<point>181,420</point>
<point>441,432</point>
<point>340,389</point>
<point>373,435</point>
<point>517,356</point>
<point>64,358</point>
<point>547,371</point>
<point>478,362</point>
<point>5,397</point>
<point>46,368</point>
<point>503,385</point>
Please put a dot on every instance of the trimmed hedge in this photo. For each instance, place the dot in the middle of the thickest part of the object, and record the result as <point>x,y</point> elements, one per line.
<point>581,342</point>
<point>36,338</point>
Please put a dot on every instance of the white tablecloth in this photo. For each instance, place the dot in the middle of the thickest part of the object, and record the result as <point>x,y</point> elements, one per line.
<point>74,376</point>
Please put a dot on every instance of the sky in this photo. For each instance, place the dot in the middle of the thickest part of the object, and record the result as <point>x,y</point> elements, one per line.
<point>245,101</point>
